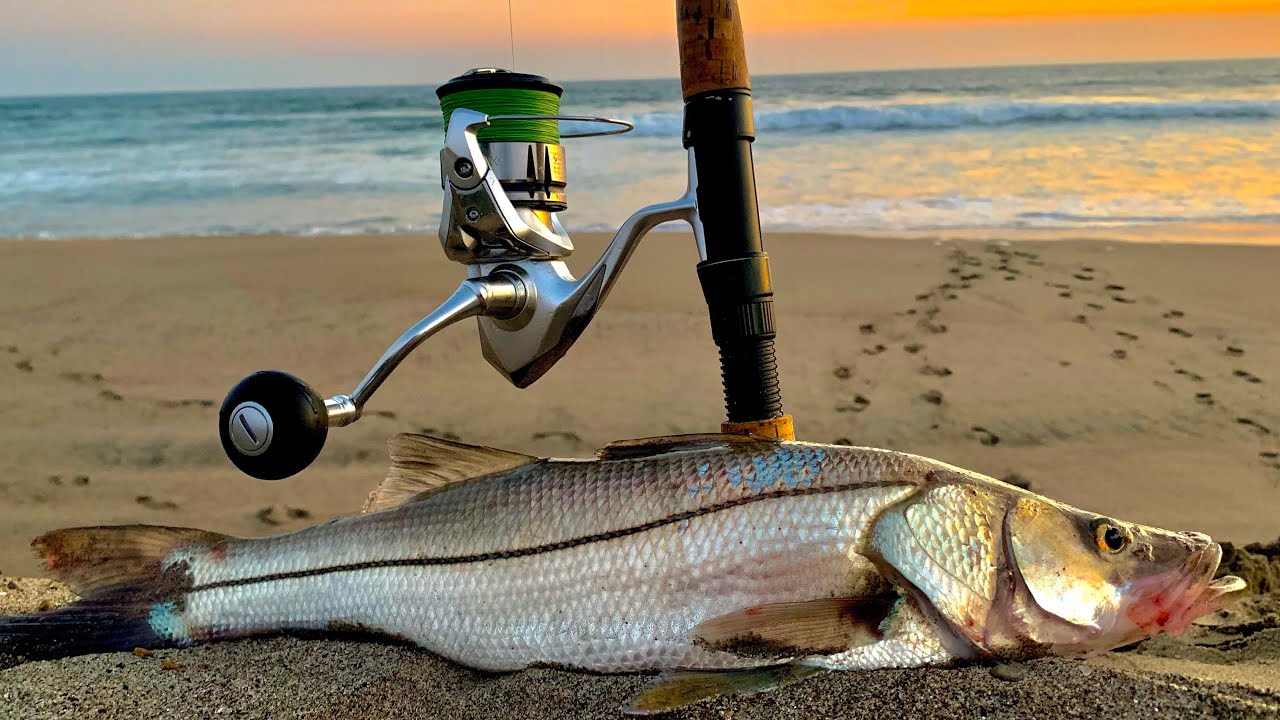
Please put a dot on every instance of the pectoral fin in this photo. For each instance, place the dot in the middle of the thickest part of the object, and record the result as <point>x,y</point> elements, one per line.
<point>797,629</point>
<point>681,687</point>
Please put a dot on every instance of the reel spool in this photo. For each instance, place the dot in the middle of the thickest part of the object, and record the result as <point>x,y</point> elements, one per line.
<point>525,155</point>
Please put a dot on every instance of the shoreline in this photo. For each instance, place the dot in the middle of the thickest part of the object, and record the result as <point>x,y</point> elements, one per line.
<point>1173,233</point>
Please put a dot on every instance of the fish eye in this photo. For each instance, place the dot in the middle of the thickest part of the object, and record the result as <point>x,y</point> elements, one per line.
<point>1111,538</point>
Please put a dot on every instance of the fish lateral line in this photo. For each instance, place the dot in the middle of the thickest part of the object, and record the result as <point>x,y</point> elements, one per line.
<point>547,547</point>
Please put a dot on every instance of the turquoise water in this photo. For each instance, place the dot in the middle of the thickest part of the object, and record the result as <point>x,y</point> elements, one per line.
<point>1068,147</point>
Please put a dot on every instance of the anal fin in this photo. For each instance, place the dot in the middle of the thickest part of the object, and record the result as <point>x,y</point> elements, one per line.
<point>797,629</point>
<point>678,688</point>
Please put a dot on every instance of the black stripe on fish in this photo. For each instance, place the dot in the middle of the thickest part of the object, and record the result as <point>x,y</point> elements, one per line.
<point>546,548</point>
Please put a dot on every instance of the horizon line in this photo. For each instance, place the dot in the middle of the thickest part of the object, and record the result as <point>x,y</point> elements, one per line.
<point>212,91</point>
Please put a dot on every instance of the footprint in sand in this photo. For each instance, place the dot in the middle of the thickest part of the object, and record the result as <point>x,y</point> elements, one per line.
<point>842,373</point>
<point>1059,286</point>
<point>24,365</point>
<point>1254,424</point>
<point>1016,480</point>
<point>913,348</point>
<point>1126,335</point>
<point>1123,300</point>
<point>79,377</point>
<point>151,503</point>
<point>442,434</point>
<point>186,403</point>
<point>1115,288</point>
<point>1064,294</point>
<point>1082,319</point>
<point>1081,276</point>
<point>859,404</point>
<point>867,329</point>
<point>571,437</point>
<point>1234,351</point>
<point>935,370</point>
<point>1204,398</point>
<point>271,515</point>
<point>1119,354</point>
<point>1180,332</point>
<point>1094,306</point>
<point>874,350</point>
<point>970,276</point>
<point>1173,314</point>
<point>985,436</point>
<point>1194,377</point>
<point>932,397</point>
<point>110,395</point>
<point>1247,376</point>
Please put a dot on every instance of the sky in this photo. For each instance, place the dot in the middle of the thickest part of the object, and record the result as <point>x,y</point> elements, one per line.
<point>88,46</point>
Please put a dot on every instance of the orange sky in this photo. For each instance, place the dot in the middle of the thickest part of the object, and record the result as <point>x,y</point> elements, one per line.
<point>78,45</point>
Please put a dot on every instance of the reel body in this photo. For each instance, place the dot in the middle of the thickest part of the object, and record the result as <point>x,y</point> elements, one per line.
<point>504,178</point>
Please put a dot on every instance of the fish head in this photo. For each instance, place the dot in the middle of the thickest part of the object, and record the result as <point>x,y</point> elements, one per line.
<point>1086,583</point>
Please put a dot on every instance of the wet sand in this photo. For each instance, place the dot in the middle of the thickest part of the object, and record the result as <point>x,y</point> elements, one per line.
<point>1127,378</point>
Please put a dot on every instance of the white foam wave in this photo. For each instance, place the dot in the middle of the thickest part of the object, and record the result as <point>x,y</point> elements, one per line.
<point>886,117</point>
<point>956,213</point>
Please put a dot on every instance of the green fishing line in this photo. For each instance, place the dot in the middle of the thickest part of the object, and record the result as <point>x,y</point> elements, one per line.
<point>509,101</point>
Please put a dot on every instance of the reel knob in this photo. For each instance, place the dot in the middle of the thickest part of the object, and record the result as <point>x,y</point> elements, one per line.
<point>272,425</point>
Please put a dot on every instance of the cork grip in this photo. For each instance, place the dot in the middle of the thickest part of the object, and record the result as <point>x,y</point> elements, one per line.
<point>713,55</point>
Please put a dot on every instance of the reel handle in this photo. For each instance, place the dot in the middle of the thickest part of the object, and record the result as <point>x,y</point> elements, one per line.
<point>272,425</point>
<point>713,55</point>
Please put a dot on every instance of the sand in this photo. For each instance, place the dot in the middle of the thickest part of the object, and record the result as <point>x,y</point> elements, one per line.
<point>1134,379</point>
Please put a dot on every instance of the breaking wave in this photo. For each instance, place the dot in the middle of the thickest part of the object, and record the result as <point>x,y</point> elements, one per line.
<point>891,117</point>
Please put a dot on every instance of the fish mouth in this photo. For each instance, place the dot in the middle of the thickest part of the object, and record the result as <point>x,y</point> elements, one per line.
<point>1194,594</point>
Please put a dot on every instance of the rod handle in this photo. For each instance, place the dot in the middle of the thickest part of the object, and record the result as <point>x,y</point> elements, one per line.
<point>713,55</point>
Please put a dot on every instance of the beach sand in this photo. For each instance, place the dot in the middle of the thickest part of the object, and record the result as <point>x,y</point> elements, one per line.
<point>1133,379</point>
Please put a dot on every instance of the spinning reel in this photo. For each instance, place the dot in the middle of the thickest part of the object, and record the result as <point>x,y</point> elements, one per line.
<point>504,176</point>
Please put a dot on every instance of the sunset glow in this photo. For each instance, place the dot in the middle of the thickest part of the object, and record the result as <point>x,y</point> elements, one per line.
<point>85,44</point>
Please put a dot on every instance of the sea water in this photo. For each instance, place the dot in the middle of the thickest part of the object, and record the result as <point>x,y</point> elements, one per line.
<point>1085,148</point>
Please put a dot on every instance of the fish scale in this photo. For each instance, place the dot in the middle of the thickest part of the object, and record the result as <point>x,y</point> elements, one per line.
<point>625,603</point>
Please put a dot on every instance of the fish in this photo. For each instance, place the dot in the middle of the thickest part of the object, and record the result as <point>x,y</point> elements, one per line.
<point>720,564</point>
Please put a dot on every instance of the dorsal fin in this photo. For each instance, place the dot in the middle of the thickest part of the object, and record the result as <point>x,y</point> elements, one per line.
<point>420,464</point>
<point>647,447</point>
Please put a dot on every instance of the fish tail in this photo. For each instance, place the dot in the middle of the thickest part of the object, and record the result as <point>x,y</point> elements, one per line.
<point>132,581</point>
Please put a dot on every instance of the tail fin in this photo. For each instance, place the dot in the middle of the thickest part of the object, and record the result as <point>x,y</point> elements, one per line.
<point>130,579</point>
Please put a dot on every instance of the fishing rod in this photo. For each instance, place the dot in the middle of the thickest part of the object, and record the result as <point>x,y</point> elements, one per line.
<point>504,175</point>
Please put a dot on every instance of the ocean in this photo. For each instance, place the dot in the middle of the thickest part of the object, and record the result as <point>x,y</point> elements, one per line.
<point>1154,147</point>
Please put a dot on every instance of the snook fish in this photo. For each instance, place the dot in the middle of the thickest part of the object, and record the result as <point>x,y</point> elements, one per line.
<point>728,564</point>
